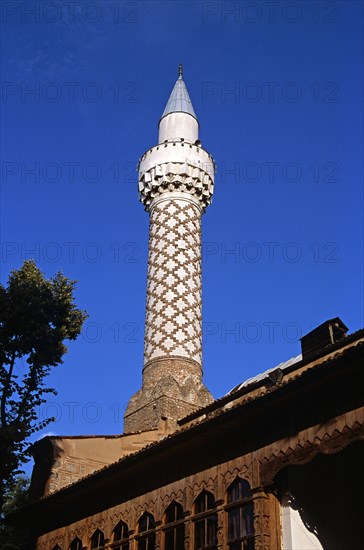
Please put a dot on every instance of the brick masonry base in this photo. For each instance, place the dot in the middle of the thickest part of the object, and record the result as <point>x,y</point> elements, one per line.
<point>172,388</point>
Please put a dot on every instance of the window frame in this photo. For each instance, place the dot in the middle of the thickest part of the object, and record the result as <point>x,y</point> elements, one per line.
<point>239,505</point>
<point>204,516</point>
<point>143,536</point>
<point>99,547</point>
<point>173,526</point>
<point>124,543</point>
<point>74,540</point>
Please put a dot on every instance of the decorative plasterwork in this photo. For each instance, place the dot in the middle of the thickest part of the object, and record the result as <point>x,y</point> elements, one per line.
<point>173,323</point>
<point>116,517</point>
<point>262,514</point>
<point>209,485</point>
<point>149,506</point>
<point>169,177</point>
<point>244,472</point>
<point>176,166</point>
<point>326,439</point>
<point>177,496</point>
<point>184,491</point>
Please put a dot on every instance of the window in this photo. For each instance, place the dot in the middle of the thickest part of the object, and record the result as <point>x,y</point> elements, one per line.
<point>76,544</point>
<point>146,530</point>
<point>240,516</point>
<point>174,529</point>
<point>205,522</point>
<point>121,537</point>
<point>97,540</point>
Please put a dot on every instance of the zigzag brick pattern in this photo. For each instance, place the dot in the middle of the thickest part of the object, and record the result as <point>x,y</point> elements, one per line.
<point>173,324</point>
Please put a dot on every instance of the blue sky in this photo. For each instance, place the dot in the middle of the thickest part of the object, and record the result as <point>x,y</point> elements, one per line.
<point>278,90</point>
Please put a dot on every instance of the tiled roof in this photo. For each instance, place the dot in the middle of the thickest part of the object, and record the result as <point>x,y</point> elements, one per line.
<point>265,374</point>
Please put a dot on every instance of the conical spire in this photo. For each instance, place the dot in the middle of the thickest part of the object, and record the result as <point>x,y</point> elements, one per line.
<point>179,101</point>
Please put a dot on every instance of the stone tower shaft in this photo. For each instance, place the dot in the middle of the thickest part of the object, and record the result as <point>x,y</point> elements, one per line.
<point>175,186</point>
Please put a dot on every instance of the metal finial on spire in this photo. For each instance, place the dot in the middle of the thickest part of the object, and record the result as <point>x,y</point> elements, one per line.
<point>179,101</point>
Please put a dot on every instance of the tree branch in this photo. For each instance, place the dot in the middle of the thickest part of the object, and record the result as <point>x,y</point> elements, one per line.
<point>5,393</point>
<point>23,403</point>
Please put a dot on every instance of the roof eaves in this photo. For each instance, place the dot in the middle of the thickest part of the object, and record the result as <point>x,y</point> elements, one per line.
<point>258,381</point>
<point>205,420</point>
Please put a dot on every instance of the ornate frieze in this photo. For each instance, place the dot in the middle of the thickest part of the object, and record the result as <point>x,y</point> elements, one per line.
<point>303,447</point>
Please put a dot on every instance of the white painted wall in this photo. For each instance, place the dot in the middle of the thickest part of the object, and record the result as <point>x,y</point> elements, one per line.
<point>177,126</point>
<point>294,533</point>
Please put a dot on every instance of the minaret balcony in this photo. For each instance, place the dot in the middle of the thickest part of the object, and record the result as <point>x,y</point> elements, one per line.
<point>176,166</point>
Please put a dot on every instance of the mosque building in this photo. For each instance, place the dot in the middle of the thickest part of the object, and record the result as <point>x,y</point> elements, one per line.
<point>275,464</point>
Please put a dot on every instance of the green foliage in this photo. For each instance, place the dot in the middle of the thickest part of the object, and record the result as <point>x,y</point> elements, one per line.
<point>15,538</point>
<point>36,316</point>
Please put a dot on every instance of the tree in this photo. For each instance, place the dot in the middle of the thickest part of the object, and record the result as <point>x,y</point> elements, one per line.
<point>36,316</point>
<point>16,538</point>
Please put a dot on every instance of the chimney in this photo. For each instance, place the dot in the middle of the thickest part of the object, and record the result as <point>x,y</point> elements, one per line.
<point>328,333</point>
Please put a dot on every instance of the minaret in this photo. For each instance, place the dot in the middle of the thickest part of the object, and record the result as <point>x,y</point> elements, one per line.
<point>176,182</point>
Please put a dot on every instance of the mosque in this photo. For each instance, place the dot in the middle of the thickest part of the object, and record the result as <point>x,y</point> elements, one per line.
<point>276,464</point>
